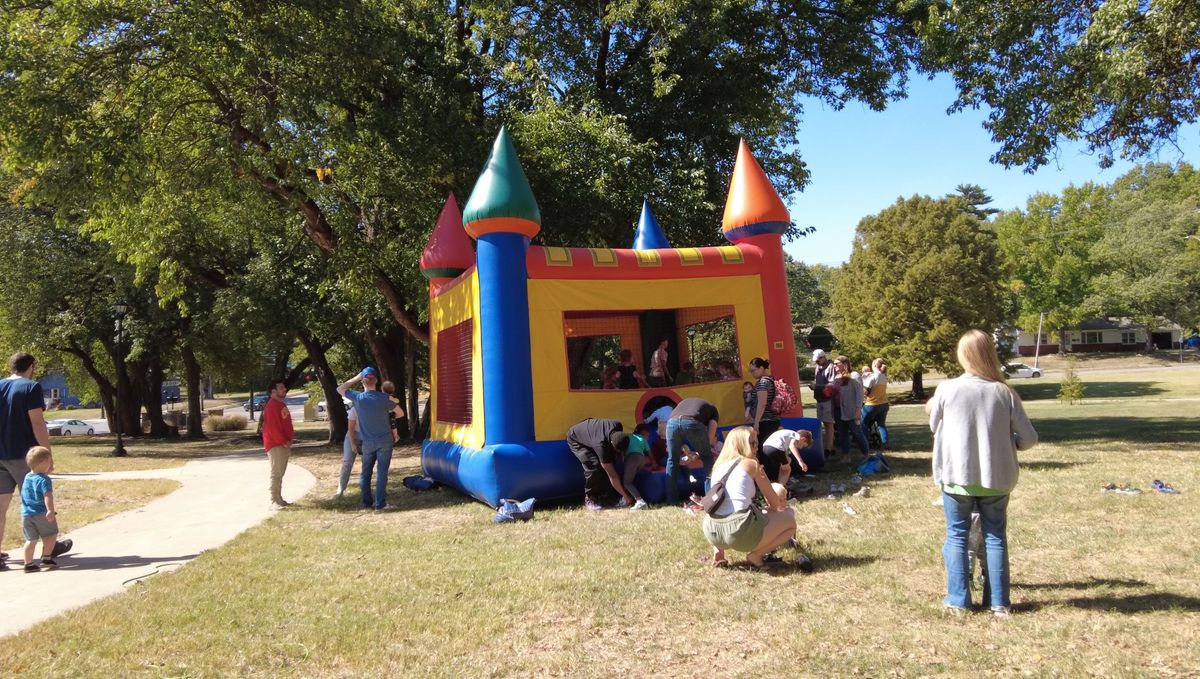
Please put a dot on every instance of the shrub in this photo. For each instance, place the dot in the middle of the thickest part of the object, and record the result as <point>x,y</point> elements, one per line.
<point>1071,389</point>
<point>226,423</point>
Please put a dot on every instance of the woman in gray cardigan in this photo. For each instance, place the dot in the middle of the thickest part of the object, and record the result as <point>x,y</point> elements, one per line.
<point>978,426</point>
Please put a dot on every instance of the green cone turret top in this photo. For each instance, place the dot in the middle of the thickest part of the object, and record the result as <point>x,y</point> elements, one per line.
<point>502,201</point>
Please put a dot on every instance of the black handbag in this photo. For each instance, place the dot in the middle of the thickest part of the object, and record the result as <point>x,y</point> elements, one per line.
<point>716,493</point>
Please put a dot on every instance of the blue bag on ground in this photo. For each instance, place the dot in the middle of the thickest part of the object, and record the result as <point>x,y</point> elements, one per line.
<point>511,510</point>
<point>875,464</point>
<point>418,482</point>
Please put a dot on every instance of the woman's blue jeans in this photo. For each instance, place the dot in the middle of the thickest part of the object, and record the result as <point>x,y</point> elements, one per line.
<point>372,452</point>
<point>878,415</point>
<point>348,456</point>
<point>993,515</point>
<point>695,435</point>
<point>844,430</point>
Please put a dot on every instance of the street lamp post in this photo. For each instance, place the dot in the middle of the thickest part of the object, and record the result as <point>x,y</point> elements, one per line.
<point>120,308</point>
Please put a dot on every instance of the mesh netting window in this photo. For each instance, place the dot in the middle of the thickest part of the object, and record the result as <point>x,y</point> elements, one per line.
<point>454,359</point>
<point>596,341</point>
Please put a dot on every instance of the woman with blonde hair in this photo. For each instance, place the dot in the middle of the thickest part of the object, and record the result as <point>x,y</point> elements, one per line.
<point>738,524</point>
<point>978,426</point>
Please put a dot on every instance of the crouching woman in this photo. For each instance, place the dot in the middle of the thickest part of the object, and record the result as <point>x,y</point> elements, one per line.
<point>738,524</point>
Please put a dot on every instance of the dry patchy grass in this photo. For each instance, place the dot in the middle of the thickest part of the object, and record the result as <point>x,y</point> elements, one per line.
<point>1104,584</point>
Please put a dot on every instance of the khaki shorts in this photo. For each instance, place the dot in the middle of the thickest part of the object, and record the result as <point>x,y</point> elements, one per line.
<point>12,475</point>
<point>825,411</point>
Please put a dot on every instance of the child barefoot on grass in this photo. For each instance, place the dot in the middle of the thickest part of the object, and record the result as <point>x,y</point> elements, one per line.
<point>40,520</point>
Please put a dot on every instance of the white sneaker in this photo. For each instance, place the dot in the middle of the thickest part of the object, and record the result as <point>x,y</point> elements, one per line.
<point>338,495</point>
<point>640,504</point>
<point>622,503</point>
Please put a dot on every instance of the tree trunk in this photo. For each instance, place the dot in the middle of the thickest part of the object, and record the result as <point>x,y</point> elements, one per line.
<point>150,383</point>
<point>335,410</point>
<point>388,352</point>
<point>918,386</point>
<point>127,404</point>
<point>423,427</point>
<point>410,370</point>
<point>195,423</point>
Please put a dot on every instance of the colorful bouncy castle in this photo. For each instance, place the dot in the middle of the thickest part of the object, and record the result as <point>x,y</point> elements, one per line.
<point>525,340</point>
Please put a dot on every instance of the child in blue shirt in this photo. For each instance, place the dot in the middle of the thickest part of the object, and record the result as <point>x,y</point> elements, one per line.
<point>40,520</point>
<point>635,459</point>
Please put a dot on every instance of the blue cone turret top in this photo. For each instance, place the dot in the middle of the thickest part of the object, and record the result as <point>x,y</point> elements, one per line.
<point>649,234</point>
<point>502,201</point>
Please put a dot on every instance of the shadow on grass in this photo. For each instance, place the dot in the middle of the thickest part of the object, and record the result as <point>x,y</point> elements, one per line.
<point>1168,429</point>
<point>1090,583</point>
<point>1047,391</point>
<point>1171,430</point>
<point>1138,603</point>
<point>104,563</point>
<point>789,566</point>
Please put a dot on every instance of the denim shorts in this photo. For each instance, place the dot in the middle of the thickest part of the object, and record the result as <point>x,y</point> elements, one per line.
<point>38,527</point>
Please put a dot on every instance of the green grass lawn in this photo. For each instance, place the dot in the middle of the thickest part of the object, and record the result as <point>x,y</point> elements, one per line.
<point>1104,584</point>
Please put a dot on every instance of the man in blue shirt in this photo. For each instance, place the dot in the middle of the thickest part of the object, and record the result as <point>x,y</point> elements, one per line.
<point>375,432</point>
<point>22,426</point>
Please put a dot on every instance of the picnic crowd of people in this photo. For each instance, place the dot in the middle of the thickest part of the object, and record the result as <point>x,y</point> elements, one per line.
<point>978,423</point>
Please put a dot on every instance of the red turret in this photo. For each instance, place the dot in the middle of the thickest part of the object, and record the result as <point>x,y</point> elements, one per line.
<point>448,252</point>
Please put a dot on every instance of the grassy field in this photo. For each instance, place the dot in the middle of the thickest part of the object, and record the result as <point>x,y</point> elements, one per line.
<point>1104,584</point>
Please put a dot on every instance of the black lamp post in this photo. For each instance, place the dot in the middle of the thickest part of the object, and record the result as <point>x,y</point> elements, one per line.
<point>119,451</point>
<point>691,333</point>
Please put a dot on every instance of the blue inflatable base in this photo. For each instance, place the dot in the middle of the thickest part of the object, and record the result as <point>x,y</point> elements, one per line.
<point>545,470</point>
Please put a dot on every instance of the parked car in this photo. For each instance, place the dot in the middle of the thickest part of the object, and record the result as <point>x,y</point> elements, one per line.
<point>1022,370</point>
<point>321,406</point>
<point>260,400</point>
<point>70,428</point>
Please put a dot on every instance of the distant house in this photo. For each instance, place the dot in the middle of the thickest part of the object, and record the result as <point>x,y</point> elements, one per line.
<point>1102,334</point>
<point>55,391</point>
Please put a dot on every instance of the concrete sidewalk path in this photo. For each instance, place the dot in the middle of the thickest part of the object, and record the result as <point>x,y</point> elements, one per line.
<point>219,498</point>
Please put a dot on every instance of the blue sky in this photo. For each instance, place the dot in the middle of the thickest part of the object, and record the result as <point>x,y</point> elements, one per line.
<point>861,161</point>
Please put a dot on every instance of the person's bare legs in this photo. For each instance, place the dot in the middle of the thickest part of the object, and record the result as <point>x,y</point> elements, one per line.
<point>30,545</point>
<point>5,500</point>
<point>781,527</point>
<point>827,434</point>
<point>47,548</point>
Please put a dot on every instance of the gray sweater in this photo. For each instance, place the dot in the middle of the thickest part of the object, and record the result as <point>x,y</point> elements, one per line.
<point>978,427</point>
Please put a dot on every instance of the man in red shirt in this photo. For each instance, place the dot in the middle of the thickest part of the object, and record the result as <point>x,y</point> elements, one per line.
<point>278,436</point>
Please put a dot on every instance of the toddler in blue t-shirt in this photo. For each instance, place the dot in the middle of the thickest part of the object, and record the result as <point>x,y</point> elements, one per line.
<point>39,518</point>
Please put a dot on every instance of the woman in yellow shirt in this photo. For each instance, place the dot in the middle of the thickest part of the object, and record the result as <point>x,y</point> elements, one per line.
<point>875,401</point>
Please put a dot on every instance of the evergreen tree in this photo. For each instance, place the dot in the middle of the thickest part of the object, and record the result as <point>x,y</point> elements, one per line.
<point>921,273</point>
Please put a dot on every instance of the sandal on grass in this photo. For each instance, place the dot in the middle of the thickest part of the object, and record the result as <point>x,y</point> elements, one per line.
<point>1164,487</point>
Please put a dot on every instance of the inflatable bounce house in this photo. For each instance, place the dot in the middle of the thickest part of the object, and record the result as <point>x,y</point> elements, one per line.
<point>524,339</point>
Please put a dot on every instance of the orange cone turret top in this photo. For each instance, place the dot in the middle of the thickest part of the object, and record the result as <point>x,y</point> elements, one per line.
<point>753,208</point>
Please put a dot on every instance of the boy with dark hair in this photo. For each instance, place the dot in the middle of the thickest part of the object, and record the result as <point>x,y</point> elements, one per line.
<point>596,443</point>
